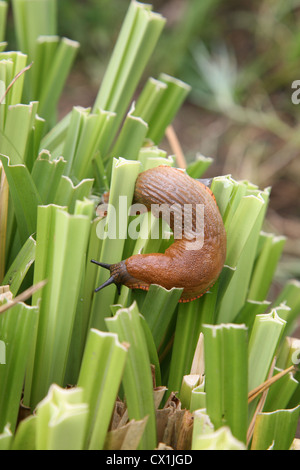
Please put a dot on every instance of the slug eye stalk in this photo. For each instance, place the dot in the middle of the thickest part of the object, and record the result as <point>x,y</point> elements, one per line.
<point>103,265</point>
<point>109,281</point>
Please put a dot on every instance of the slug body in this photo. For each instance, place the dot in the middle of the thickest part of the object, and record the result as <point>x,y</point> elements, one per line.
<point>192,262</point>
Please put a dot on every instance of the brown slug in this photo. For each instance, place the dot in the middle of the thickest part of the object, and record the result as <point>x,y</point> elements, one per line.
<point>189,263</point>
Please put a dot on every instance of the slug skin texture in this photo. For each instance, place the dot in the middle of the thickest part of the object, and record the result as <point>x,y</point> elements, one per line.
<point>192,263</point>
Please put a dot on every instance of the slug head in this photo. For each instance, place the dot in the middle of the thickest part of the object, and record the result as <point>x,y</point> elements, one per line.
<point>118,274</point>
<point>113,278</point>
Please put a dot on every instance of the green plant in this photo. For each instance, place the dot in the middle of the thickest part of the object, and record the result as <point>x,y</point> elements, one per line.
<point>104,345</point>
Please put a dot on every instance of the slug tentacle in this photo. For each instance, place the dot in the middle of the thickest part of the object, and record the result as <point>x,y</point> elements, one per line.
<point>111,280</point>
<point>194,261</point>
<point>103,265</point>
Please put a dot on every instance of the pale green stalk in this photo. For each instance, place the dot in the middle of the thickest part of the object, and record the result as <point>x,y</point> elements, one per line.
<point>61,420</point>
<point>275,430</point>
<point>56,78</point>
<point>222,439</point>
<point>24,195</point>
<point>78,339</point>
<point>100,174</point>
<point>59,236</point>
<point>242,208</point>
<point>247,220</point>
<point>19,268</point>
<point>189,383</point>
<point>207,304</point>
<point>158,309</point>
<point>250,309</point>
<point>19,125</point>
<point>171,100</point>
<point>283,311</point>
<point>223,187</point>
<point>289,352</point>
<point>290,295</point>
<point>100,376</point>
<point>25,435</point>
<point>197,168</point>
<point>46,174</point>
<point>6,438</point>
<point>86,135</point>
<point>3,15</point>
<point>152,351</point>
<point>124,175</point>
<point>17,326</point>
<point>4,198</point>
<point>73,233</point>
<point>225,352</point>
<point>78,120</point>
<point>245,217</point>
<point>137,380</point>
<point>91,138</point>
<point>42,271</point>
<point>265,265</point>
<point>280,392</point>
<point>53,57</point>
<point>149,98</point>
<point>6,66</point>
<point>68,193</point>
<point>34,141</point>
<point>202,425</point>
<point>198,398</point>
<point>137,39</point>
<point>265,336</point>
<point>159,102</point>
<point>33,18</point>
<point>187,332</point>
<point>54,140</point>
<point>91,273</point>
<point>46,48</point>
<point>131,137</point>
<point>15,63</point>
<point>150,157</point>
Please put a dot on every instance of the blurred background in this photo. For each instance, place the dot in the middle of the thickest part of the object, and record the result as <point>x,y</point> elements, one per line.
<point>241,59</point>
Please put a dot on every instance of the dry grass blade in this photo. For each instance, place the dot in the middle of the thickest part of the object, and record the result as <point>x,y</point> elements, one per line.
<point>22,297</point>
<point>260,403</point>
<point>4,196</point>
<point>184,441</point>
<point>14,80</point>
<point>198,364</point>
<point>176,147</point>
<point>126,437</point>
<point>261,388</point>
<point>4,290</point>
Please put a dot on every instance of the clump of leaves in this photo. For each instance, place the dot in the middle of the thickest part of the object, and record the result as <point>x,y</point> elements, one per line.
<point>101,371</point>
